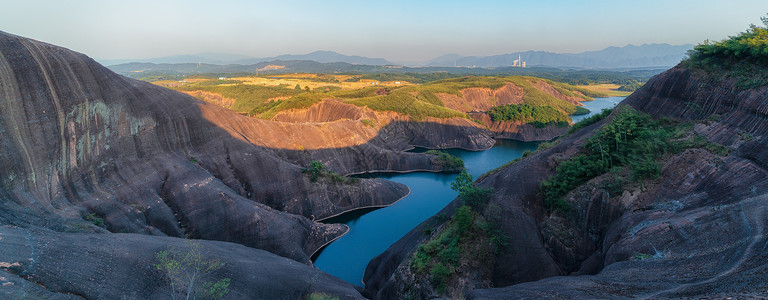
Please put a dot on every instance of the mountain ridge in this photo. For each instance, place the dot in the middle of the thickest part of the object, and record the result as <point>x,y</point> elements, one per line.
<point>630,56</point>
<point>613,57</point>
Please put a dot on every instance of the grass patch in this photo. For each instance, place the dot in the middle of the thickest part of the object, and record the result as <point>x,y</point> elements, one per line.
<point>299,101</point>
<point>407,104</point>
<point>248,98</point>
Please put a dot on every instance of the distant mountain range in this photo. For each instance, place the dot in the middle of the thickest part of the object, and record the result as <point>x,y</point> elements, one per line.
<point>627,57</point>
<point>226,59</point>
<point>644,56</point>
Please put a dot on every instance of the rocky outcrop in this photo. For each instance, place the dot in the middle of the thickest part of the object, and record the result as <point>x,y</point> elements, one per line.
<point>82,142</point>
<point>87,150</point>
<point>42,264</point>
<point>696,231</point>
<point>352,139</point>
<point>520,131</point>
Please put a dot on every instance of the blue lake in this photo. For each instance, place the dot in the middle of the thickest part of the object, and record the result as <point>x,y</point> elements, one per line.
<point>597,105</point>
<point>372,231</point>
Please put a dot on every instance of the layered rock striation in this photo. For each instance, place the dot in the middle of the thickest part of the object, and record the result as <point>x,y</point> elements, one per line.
<point>697,230</point>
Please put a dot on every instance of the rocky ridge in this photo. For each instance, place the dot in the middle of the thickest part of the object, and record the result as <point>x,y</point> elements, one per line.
<point>696,231</point>
<point>88,154</point>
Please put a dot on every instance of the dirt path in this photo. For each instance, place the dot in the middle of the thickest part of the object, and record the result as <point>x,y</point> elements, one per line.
<point>753,216</point>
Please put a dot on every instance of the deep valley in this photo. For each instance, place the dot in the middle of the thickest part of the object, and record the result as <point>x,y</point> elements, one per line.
<point>118,188</point>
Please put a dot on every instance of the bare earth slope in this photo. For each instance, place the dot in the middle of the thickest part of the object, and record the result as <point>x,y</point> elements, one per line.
<point>698,230</point>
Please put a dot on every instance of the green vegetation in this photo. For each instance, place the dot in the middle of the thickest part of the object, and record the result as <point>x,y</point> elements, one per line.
<point>407,104</point>
<point>187,269</point>
<point>590,120</point>
<point>251,99</point>
<point>303,100</point>
<point>630,86</point>
<point>369,122</point>
<point>467,237</point>
<point>446,162</point>
<point>416,101</point>
<point>316,170</point>
<point>632,143</point>
<point>535,96</point>
<point>539,116</point>
<point>462,238</point>
<point>406,77</point>
<point>470,194</point>
<point>321,296</point>
<point>580,111</point>
<point>742,57</point>
<point>91,217</point>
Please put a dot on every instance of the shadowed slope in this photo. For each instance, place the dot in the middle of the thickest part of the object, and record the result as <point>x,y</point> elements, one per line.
<point>695,231</point>
<point>82,141</point>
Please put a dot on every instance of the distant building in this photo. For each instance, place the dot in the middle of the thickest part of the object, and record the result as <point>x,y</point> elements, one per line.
<point>518,62</point>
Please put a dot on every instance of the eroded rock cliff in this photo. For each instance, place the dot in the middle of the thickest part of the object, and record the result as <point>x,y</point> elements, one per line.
<point>87,150</point>
<point>697,230</point>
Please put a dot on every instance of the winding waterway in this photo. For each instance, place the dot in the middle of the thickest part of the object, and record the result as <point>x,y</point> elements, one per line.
<point>372,231</point>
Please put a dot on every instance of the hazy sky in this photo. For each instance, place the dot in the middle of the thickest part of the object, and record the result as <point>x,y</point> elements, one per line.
<point>396,30</point>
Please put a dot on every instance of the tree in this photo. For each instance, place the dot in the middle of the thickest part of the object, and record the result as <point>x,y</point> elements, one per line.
<point>297,87</point>
<point>469,193</point>
<point>187,268</point>
<point>306,88</point>
<point>462,183</point>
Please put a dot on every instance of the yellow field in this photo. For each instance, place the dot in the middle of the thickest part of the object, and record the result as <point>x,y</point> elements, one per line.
<point>608,88</point>
<point>311,80</point>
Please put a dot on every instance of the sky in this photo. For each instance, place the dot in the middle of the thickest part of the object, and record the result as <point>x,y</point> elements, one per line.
<point>397,30</point>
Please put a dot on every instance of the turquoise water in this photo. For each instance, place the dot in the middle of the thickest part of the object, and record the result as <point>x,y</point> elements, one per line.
<point>372,231</point>
<point>597,105</point>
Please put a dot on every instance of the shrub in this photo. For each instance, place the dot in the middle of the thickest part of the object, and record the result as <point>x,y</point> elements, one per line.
<point>742,57</point>
<point>185,269</point>
<point>463,219</point>
<point>633,140</point>
<point>446,161</point>
<point>539,116</point>
<point>440,275</point>
<point>316,169</point>
<point>470,194</point>
<point>94,219</point>
<point>321,296</point>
